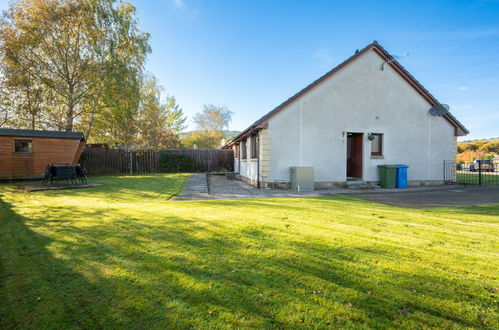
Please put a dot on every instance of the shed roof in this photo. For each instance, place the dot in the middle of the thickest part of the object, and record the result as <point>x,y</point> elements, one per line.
<point>459,128</point>
<point>41,134</point>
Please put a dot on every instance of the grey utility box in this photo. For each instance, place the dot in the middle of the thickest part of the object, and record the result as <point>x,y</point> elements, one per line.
<point>302,178</point>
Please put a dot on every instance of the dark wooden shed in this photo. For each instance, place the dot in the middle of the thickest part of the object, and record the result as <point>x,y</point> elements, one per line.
<point>24,154</point>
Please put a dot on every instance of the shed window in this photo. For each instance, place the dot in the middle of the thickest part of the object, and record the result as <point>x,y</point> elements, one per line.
<point>377,145</point>
<point>243,151</point>
<point>254,146</point>
<point>23,146</point>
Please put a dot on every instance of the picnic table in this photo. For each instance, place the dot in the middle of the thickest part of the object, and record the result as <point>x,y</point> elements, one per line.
<point>54,173</point>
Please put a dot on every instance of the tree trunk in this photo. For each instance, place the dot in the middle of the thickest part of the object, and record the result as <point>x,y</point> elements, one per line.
<point>69,117</point>
<point>92,114</point>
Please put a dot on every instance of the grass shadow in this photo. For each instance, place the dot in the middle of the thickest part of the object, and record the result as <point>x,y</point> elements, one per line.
<point>39,290</point>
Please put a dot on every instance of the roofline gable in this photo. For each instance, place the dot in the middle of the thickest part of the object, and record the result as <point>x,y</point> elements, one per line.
<point>459,129</point>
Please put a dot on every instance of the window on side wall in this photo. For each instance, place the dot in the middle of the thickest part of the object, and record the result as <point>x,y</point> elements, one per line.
<point>243,151</point>
<point>377,144</point>
<point>237,151</point>
<point>23,146</point>
<point>254,146</point>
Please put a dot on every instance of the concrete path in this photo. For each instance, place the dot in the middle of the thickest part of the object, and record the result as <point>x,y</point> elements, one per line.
<point>221,187</point>
<point>196,187</point>
<point>453,196</point>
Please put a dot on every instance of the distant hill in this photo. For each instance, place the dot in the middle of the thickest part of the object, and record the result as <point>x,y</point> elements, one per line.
<point>495,139</point>
<point>477,149</point>
<point>231,134</point>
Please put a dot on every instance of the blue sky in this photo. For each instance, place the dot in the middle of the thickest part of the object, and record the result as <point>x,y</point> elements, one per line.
<point>252,55</point>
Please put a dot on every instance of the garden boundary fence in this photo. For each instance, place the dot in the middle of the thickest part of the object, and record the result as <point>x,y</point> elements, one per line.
<point>116,161</point>
<point>477,173</point>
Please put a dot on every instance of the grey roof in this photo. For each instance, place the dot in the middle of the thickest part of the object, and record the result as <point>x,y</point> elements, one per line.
<point>41,134</point>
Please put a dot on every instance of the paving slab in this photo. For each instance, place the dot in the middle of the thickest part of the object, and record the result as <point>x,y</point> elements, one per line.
<point>196,187</point>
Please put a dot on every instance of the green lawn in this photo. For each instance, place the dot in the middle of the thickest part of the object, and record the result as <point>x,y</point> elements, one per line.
<point>124,256</point>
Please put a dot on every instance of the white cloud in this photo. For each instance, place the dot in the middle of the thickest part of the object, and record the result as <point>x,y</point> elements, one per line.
<point>478,34</point>
<point>179,4</point>
<point>323,55</point>
<point>183,8</point>
<point>463,88</point>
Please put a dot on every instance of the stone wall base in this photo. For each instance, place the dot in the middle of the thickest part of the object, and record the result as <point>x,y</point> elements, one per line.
<point>278,185</point>
<point>331,184</point>
<point>417,183</point>
<point>341,184</point>
<point>249,181</point>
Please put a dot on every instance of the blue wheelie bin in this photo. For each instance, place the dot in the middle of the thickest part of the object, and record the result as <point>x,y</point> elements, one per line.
<point>401,181</point>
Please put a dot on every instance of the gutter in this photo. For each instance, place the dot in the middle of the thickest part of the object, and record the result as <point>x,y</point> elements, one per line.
<point>245,133</point>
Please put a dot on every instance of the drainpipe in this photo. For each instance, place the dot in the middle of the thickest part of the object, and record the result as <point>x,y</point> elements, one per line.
<point>239,160</point>
<point>429,148</point>
<point>258,162</point>
<point>301,129</point>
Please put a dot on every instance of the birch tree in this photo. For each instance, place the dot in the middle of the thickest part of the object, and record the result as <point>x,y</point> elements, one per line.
<point>84,55</point>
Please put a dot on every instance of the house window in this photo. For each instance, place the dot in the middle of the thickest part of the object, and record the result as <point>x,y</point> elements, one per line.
<point>243,151</point>
<point>23,146</point>
<point>237,151</point>
<point>254,146</point>
<point>377,144</point>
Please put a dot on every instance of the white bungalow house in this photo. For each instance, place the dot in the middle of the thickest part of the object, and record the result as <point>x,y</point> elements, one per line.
<point>365,112</point>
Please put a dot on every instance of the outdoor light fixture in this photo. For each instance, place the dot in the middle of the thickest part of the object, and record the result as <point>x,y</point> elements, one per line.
<point>370,137</point>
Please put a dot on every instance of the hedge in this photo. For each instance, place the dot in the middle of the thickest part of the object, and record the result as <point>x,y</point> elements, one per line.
<point>171,163</point>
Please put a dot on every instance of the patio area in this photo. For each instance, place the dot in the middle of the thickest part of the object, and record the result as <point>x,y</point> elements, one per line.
<point>201,186</point>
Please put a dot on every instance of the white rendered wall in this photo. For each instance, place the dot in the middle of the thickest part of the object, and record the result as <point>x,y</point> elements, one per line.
<point>360,98</point>
<point>248,166</point>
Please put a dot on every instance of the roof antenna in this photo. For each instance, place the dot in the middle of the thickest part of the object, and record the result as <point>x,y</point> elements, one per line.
<point>394,58</point>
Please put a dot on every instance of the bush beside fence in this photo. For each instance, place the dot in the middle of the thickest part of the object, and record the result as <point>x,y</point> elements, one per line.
<point>115,161</point>
<point>171,163</point>
<point>207,160</point>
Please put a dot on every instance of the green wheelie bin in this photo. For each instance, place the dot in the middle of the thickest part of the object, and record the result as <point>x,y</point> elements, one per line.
<point>387,176</point>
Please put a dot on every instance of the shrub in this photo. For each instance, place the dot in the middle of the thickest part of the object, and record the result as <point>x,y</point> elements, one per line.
<point>469,156</point>
<point>171,163</point>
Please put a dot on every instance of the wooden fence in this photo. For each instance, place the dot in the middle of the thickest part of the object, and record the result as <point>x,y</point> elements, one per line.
<point>207,160</point>
<point>110,161</point>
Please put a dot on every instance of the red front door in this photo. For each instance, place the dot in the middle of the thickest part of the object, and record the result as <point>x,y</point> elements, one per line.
<point>354,155</point>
